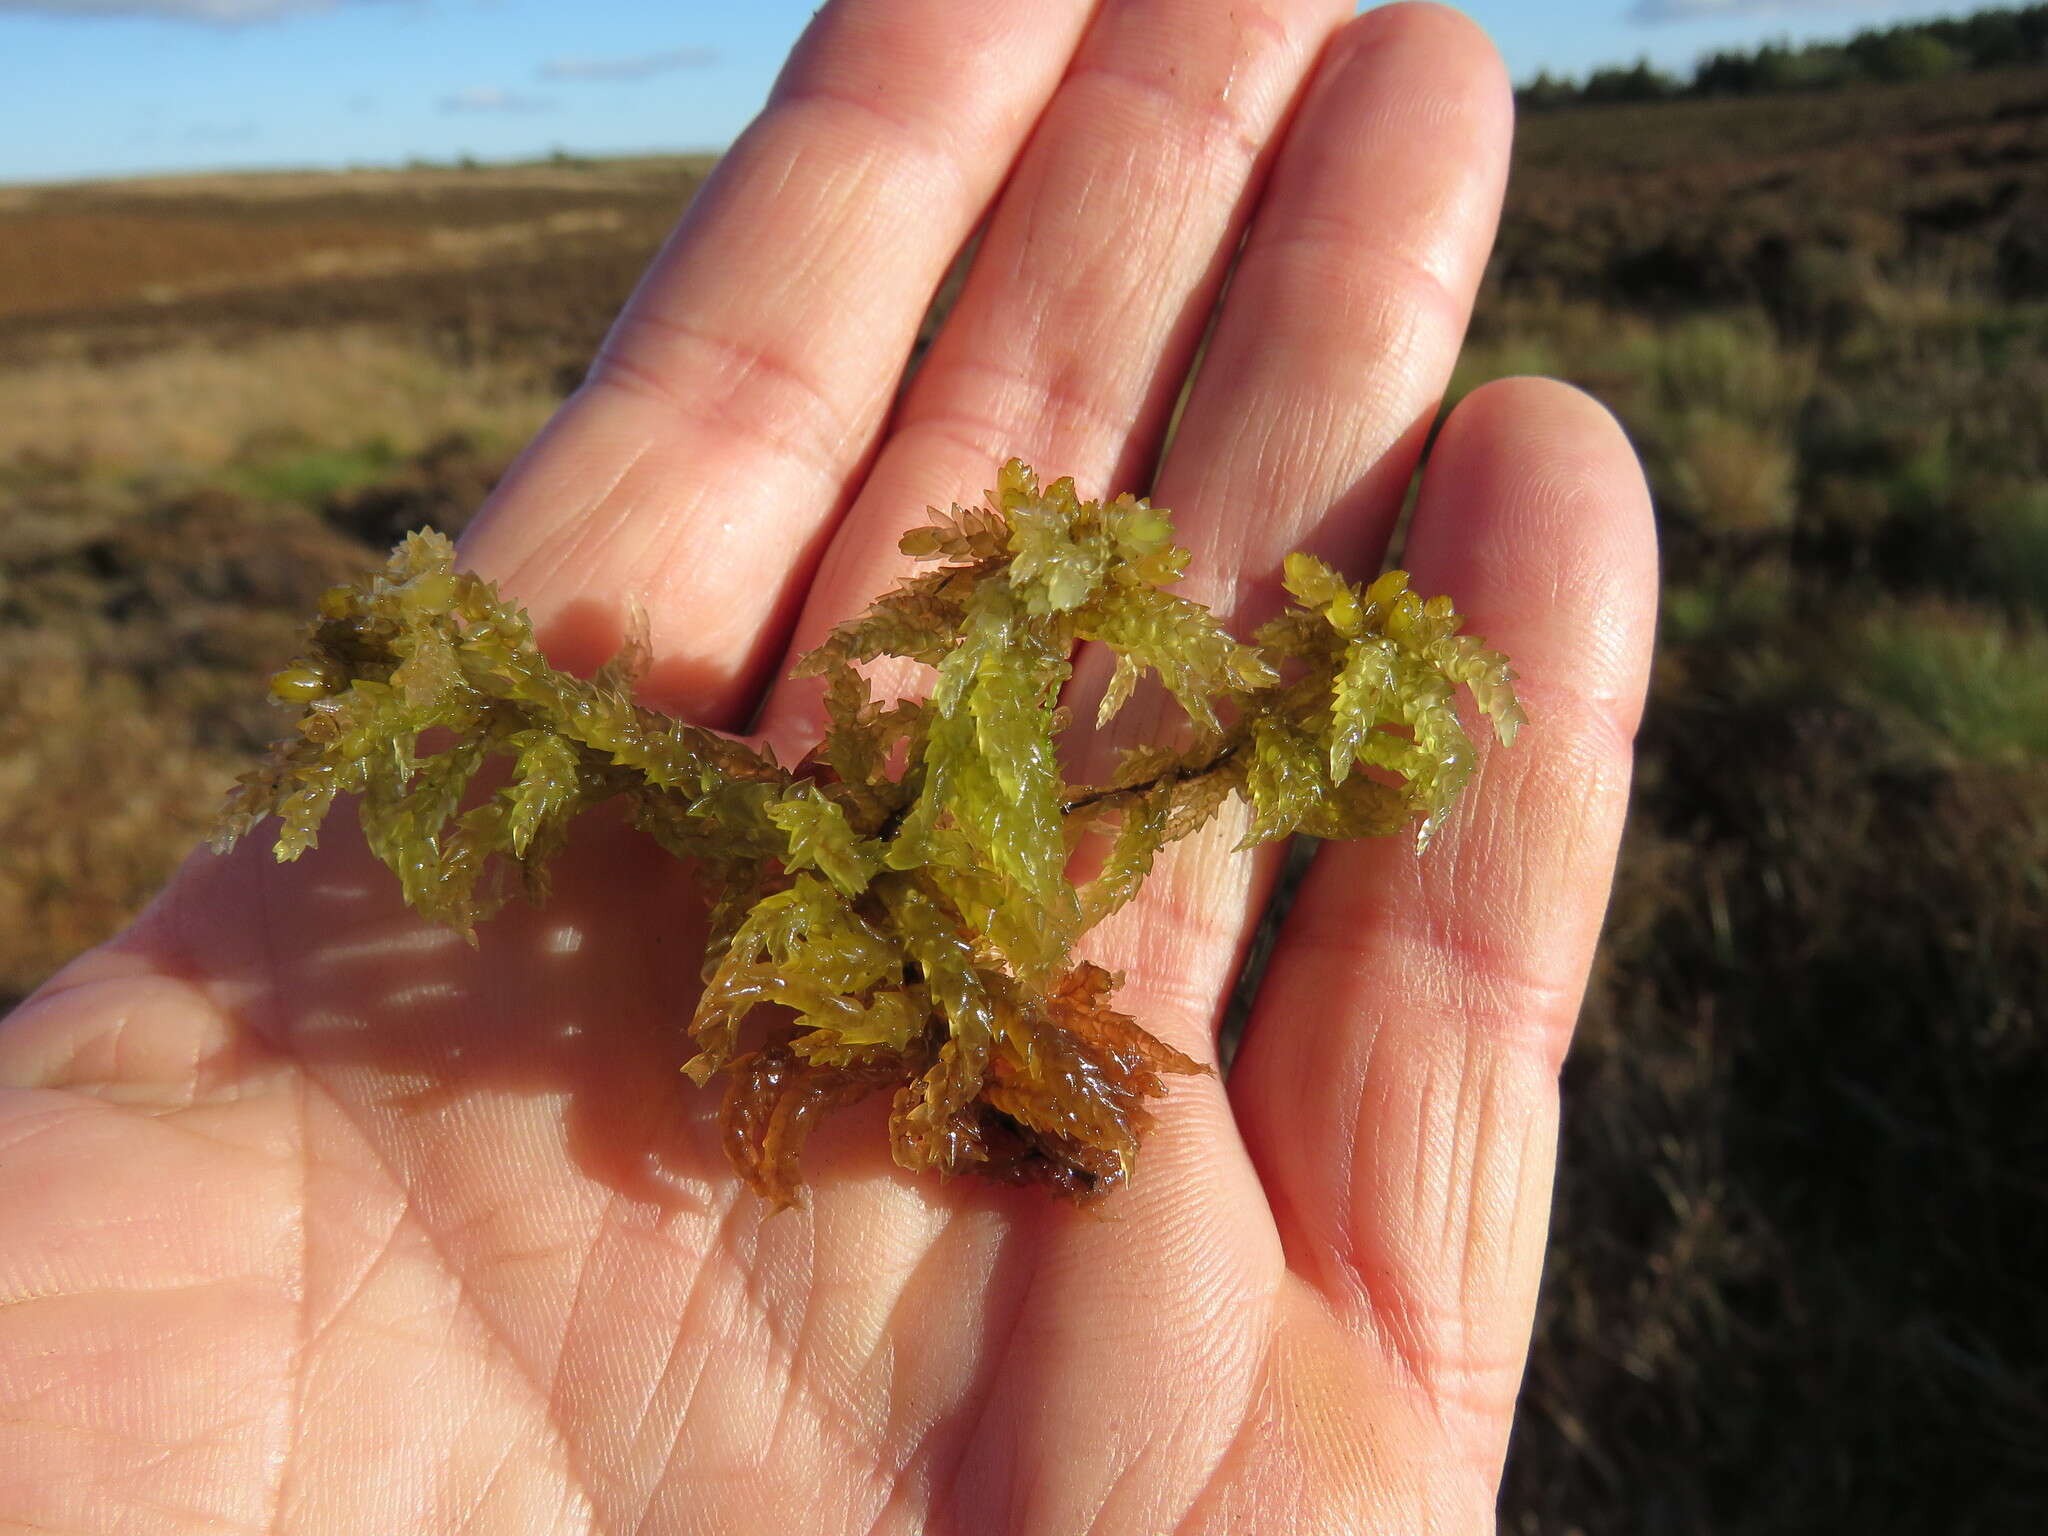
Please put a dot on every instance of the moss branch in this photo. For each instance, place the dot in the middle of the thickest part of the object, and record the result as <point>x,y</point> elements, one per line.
<point>935,952</point>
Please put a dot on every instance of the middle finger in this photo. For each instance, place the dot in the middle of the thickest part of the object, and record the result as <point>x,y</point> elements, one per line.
<point>1339,333</point>
<point>1093,284</point>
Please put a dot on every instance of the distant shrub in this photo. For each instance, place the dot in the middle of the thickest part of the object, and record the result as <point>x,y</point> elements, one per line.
<point>1926,50</point>
<point>1731,477</point>
<point>1641,81</point>
<point>1546,91</point>
<point>1732,364</point>
<point>1903,56</point>
<point>1957,682</point>
<point>1827,291</point>
<point>2009,548</point>
<point>295,415</point>
<point>1776,67</point>
<point>1714,402</point>
<point>1717,607</point>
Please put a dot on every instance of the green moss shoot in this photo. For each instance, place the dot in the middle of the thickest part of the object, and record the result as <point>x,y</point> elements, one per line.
<point>895,913</point>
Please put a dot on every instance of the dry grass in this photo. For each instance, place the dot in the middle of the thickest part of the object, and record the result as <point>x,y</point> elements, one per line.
<point>192,412</point>
<point>134,639</point>
<point>100,790</point>
<point>77,249</point>
<point>179,477</point>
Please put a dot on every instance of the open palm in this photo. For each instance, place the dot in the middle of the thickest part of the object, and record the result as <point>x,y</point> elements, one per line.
<point>317,1220</point>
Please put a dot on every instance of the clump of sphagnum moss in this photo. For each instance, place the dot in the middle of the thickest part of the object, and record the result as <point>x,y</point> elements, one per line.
<point>900,899</point>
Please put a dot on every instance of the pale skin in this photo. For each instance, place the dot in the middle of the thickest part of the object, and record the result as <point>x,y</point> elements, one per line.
<point>316,1220</point>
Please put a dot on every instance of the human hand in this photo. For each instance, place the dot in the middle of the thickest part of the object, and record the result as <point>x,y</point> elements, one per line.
<point>318,1220</point>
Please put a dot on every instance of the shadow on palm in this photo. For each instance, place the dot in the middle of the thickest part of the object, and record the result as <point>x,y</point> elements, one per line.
<point>572,1012</point>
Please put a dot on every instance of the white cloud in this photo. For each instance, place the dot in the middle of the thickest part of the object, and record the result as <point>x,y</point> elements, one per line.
<point>636,66</point>
<point>1656,12</point>
<point>219,12</point>
<point>491,98</point>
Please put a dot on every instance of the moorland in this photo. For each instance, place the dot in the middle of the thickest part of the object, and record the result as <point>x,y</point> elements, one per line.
<point>1797,1278</point>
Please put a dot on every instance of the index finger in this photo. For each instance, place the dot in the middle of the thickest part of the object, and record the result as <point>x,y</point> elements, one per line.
<point>733,407</point>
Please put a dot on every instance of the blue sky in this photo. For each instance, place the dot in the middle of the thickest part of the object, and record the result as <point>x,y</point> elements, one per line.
<point>100,87</point>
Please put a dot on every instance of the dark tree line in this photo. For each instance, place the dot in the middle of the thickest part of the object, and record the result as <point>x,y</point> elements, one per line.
<point>1921,50</point>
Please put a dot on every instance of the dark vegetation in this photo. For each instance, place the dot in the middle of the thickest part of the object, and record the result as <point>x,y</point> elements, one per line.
<point>1895,55</point>
<point>1797,1282</point>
